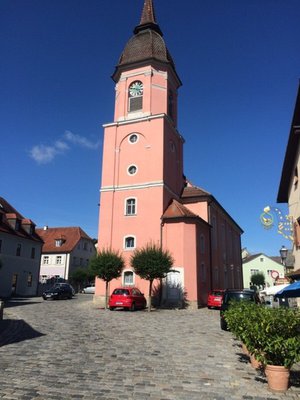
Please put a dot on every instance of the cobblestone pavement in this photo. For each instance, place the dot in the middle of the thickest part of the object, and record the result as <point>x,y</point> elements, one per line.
<point>61,350</point>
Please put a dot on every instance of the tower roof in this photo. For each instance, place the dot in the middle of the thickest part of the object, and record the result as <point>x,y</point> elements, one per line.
<point>146,44</point>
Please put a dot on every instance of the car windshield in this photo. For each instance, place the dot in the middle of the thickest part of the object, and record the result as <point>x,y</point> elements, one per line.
<point>123,292</point>
<point>238,296</point>
<point>217,293</point>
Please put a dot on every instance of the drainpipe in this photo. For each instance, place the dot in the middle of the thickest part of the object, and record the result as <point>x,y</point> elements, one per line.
<point>210,246</point>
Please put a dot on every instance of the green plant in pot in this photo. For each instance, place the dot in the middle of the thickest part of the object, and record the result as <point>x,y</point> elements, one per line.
<point>277,334</point>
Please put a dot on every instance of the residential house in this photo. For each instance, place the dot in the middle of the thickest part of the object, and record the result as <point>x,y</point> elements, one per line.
<point>289,187</point>
<point>260,263</point>
<point>145,196</point>
<point>20,253</point>
<point>64,250</point>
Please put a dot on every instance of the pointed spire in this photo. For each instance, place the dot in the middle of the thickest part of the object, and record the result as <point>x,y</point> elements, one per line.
<point>148,15</point>
<point>148,20</point>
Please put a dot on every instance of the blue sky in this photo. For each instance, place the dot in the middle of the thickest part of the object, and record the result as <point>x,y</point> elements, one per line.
<point>240,67</point>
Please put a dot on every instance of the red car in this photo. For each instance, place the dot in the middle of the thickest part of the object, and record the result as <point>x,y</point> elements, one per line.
<point>129,298</point>
<point>215,298</point>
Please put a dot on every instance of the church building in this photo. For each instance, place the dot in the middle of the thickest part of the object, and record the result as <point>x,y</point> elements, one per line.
<point>145,196</point>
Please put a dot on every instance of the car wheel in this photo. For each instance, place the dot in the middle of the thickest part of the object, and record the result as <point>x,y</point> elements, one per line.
<point>223,324</point>
<point>132,308</point>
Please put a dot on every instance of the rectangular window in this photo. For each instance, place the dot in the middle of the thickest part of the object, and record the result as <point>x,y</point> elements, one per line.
<point>18,252</point>
<point>135,103</point>
<point>29,279</point>
<point>129,242</point>
<point>254,271</point>
<point>85,246</point>
<point>46,260</point>
<point>130,207</point>
<point>33,252</point>
<point>58,259</point>
<point>58,242</point>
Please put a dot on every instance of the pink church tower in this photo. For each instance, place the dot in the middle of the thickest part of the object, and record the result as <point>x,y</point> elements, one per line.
<point>142,171</point>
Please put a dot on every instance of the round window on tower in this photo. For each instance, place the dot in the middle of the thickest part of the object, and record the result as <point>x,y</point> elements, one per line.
<point>132,170</point>
<point>133,138</point>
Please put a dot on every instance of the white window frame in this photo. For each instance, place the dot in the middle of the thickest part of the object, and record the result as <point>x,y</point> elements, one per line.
<point>46,260</point>
<point>123,277</point>
<point>133,134</point>
<point>134,242</point>
<point>136,169</point>
<point>58,260</point>
<point>126,206</point>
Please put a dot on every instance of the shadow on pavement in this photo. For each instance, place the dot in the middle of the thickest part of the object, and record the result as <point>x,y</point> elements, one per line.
<point>16,330</point>
<point>19,301</point>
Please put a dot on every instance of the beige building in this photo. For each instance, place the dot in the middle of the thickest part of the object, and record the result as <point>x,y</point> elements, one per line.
<point>289,188</point>
<point>20,253</point>
<point>64,250</point>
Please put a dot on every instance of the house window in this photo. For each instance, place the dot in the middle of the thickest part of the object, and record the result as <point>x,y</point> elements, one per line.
<point>130,207</point>
<point>202,244</point>
<point>29,279</point>
<point>74,261</point>
<point>132,169</point>
<point>46,260</point>
<point>133,138</point>
<point>18,252</point>
<point>135,96</point>
<point>261,259</point>
<point>170,104</point>
<point>58,259</point>
<point>58,242</point>
<point>128,278</point>
<point>254,271</point>
<point>85,246</point>
<point>33,252</point>
<point>129,242</point>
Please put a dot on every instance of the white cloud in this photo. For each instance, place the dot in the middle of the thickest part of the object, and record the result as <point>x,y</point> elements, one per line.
<point>43,154</point>
<point>80,140</point>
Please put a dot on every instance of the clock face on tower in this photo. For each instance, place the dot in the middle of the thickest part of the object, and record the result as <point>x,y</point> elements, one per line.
<point>136,89</point>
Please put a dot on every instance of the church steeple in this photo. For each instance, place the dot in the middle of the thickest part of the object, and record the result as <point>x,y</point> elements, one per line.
<point>146,45</point>
<point>148,20</point>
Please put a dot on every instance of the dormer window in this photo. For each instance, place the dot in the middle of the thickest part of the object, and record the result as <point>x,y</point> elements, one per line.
<point>135,96</point>
<point>58,242</point>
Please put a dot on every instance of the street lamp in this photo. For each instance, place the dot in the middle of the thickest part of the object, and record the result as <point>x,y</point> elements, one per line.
<point>283,254</point>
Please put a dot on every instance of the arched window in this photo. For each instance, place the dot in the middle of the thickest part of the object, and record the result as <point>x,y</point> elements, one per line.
<point>129,242</point>
<point>130,207</point>
<point>128,278</point>
<point>135,96</point>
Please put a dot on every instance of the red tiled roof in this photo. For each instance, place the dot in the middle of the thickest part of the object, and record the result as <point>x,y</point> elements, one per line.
<point>9,212</point>
<point>177,210</point>
<point>69,235</point>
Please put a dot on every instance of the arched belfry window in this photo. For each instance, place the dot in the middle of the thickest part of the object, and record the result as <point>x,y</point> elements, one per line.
<point>135,96</point>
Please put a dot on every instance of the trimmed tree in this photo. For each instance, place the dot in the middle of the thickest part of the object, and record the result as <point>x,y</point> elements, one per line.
<point>258,279</point>
<point>107,265</point>
<point>151,262</point>
<point>80,276</point>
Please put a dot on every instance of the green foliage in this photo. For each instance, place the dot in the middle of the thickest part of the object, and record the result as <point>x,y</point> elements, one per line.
<point>80,277</point>
<point>150,263</point>
<point>107,265</point>
<point>258,279</point>
<point>271,335</point>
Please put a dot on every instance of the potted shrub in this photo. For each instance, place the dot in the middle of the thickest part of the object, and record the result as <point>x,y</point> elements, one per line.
<point>278,338</point>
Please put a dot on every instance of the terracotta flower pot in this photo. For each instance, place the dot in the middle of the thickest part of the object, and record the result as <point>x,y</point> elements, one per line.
<point>277,377</point>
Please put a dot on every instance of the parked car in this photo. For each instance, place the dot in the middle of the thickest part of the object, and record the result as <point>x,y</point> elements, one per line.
<point>89,289</point>
<point>235,295</point>
<point>214,299</point>
<point>129,298</point>
<point>59,291</point>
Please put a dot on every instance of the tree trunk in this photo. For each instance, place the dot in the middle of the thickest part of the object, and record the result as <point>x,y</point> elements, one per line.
<point>106,294</point>
<point>150,295</point>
